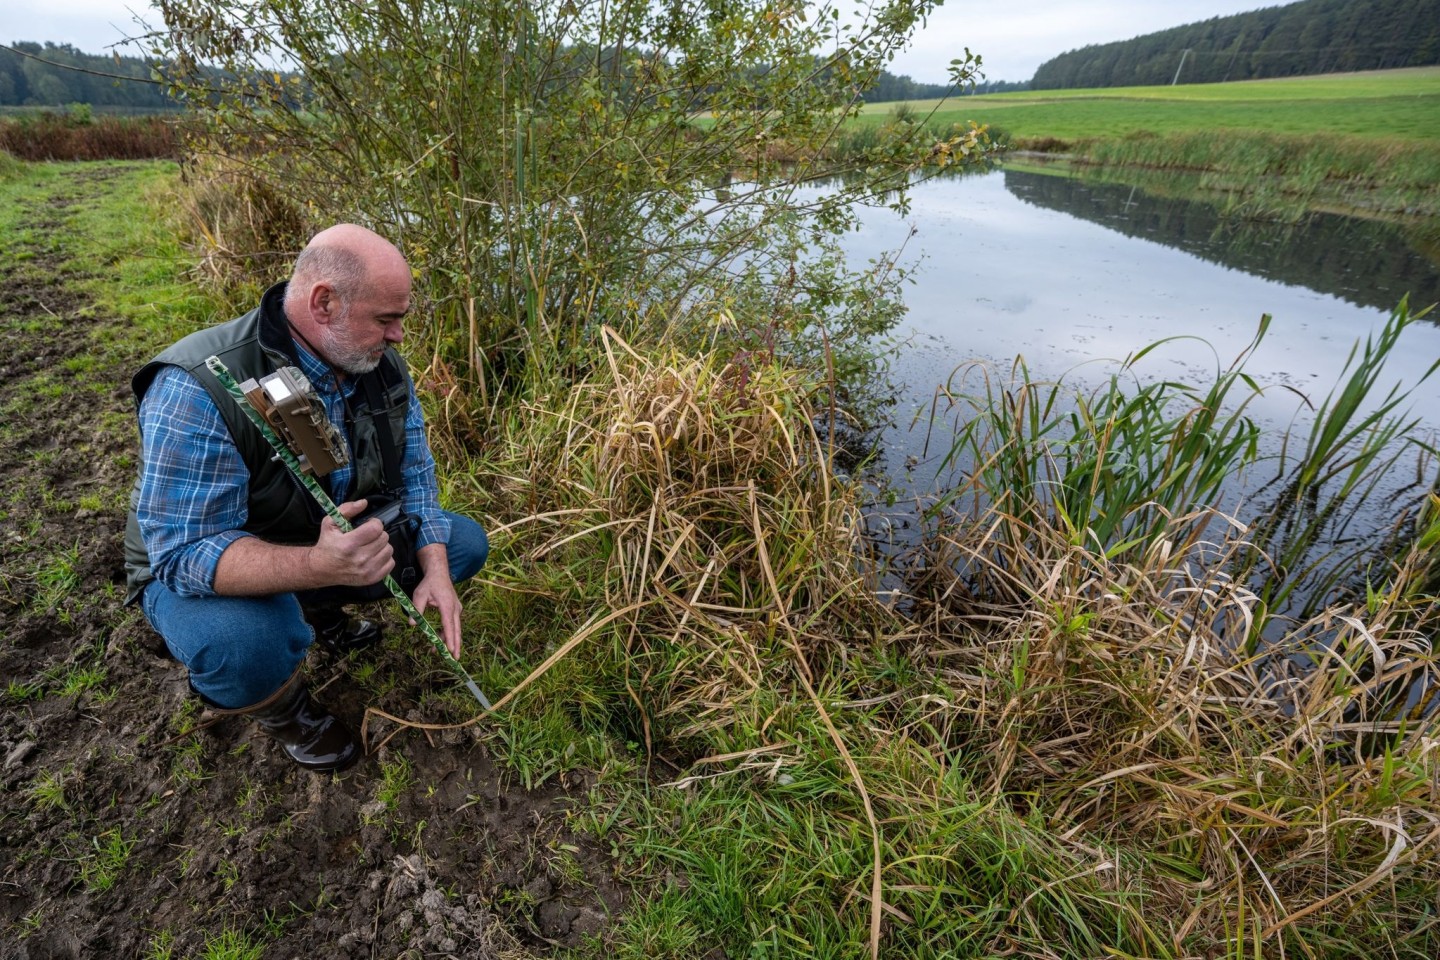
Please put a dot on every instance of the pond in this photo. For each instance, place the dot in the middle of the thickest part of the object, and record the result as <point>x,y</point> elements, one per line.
<point>1074,275</point>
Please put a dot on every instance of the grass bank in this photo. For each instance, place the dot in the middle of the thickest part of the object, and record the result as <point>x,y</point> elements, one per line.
<point>1363,140</point>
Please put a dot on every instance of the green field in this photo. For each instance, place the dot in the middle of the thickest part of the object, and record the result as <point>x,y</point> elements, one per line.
<point>1391,104</point>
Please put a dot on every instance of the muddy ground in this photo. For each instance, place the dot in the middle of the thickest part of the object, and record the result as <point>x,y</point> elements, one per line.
<point>132,828</point>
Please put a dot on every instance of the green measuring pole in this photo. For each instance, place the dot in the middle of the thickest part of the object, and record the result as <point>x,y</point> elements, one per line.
<point>222,373</point>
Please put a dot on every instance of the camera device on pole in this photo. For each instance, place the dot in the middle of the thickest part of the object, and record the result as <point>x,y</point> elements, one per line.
<point>286,401</point>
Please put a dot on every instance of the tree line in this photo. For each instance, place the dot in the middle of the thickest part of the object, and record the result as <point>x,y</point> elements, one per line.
<point>1310,37</point>
<point>53,75</point>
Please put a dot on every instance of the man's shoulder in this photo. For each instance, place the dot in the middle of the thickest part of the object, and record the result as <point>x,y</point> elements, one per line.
<point>191,350</point>
<point>178,404</point>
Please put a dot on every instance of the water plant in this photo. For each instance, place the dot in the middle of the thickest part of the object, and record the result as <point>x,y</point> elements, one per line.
<point>1355,439</point>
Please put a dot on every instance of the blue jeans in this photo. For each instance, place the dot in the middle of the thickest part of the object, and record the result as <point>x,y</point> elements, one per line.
<point>239,650</point>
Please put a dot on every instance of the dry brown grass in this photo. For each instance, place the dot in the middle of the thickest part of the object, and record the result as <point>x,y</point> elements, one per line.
<point>53,136</point>
<point>240,230</point>
<point>1296,780</point>
<point>721,520</point>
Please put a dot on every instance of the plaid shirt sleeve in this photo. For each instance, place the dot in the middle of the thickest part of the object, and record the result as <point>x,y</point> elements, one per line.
<point>417,469</point>
<point>193,491</point>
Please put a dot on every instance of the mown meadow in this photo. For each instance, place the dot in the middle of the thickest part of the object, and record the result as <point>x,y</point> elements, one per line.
<point>1362,141</point>
<point>1395,105</point>
<point>1061,737</point>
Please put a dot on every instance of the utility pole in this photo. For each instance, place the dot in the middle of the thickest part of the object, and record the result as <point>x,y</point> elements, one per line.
<point>1239,42</point>
<point>1182,64</point>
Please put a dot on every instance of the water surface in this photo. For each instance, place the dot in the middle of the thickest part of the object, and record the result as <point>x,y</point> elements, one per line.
<point>1075,275</point>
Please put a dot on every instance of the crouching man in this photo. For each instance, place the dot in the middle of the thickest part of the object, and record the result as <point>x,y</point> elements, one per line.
<point>232,561</point>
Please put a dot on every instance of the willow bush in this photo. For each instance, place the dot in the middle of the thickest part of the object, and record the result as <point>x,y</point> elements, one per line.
<point>549,168</point>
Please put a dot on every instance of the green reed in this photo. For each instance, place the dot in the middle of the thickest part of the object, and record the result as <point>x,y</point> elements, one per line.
<point>1356,438</point>
<point>1116,467</point>
<point>1134,467</point>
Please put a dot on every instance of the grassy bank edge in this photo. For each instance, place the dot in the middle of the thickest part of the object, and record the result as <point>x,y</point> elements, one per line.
<point>1362,143</point>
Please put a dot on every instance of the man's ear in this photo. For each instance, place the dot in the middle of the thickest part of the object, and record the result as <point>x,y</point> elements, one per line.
<point>323,303</point>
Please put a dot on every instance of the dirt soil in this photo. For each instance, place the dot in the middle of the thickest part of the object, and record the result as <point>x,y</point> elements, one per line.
<point>132,828</point>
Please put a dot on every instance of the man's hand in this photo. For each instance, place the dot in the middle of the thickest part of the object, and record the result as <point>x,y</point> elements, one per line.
<point>250,567</point>
<point>437,590</point>
<point>355,559</point>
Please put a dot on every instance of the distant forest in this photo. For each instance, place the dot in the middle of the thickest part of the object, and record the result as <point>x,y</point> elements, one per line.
<point>1313,36</point>
<point>55,75</point>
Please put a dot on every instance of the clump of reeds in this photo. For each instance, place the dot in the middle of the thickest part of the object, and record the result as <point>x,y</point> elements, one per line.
<point>55,136</point>
<point>728,541</point>
<point>1096,623</point>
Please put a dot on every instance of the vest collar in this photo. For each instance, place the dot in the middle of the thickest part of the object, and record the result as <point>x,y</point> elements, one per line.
<point>274,328</point>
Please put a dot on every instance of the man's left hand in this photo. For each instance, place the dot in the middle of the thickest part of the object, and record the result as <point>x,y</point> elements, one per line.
<point>437,590</point>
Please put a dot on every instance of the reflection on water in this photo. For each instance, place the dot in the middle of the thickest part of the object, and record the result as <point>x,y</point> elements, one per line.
<point>1368,263</point>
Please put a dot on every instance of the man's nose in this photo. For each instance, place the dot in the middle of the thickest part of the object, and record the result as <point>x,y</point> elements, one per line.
<point>394,332</point>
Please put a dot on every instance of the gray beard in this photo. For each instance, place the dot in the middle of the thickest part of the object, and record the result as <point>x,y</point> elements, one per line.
<point>354,363</point>
<point>360,367</point>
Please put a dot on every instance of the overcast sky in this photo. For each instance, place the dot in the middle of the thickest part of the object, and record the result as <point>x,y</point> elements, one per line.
<point>1013,36</point>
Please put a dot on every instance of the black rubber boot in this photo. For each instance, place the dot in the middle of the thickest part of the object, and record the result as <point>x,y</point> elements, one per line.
<point>313,737</point>
<point>339,633</point>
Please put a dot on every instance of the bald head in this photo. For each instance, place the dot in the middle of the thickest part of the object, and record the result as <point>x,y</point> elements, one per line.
<point>341,267</point>
<point>345,258</point>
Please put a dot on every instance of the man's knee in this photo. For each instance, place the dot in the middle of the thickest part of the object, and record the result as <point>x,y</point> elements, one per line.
<point>238,650</point>
<point>467,548</point>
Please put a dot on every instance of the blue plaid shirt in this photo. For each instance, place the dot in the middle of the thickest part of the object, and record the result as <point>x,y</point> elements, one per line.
<point>194,483</point>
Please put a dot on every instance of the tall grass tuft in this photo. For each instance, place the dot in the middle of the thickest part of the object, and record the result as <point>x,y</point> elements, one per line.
<point>240,230</point>
<point>725,536</point>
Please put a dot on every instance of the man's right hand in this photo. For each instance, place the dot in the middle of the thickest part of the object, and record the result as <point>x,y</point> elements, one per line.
<point>355,559</point>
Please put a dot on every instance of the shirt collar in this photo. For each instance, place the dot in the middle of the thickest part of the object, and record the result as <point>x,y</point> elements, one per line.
<point>319,373</point>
